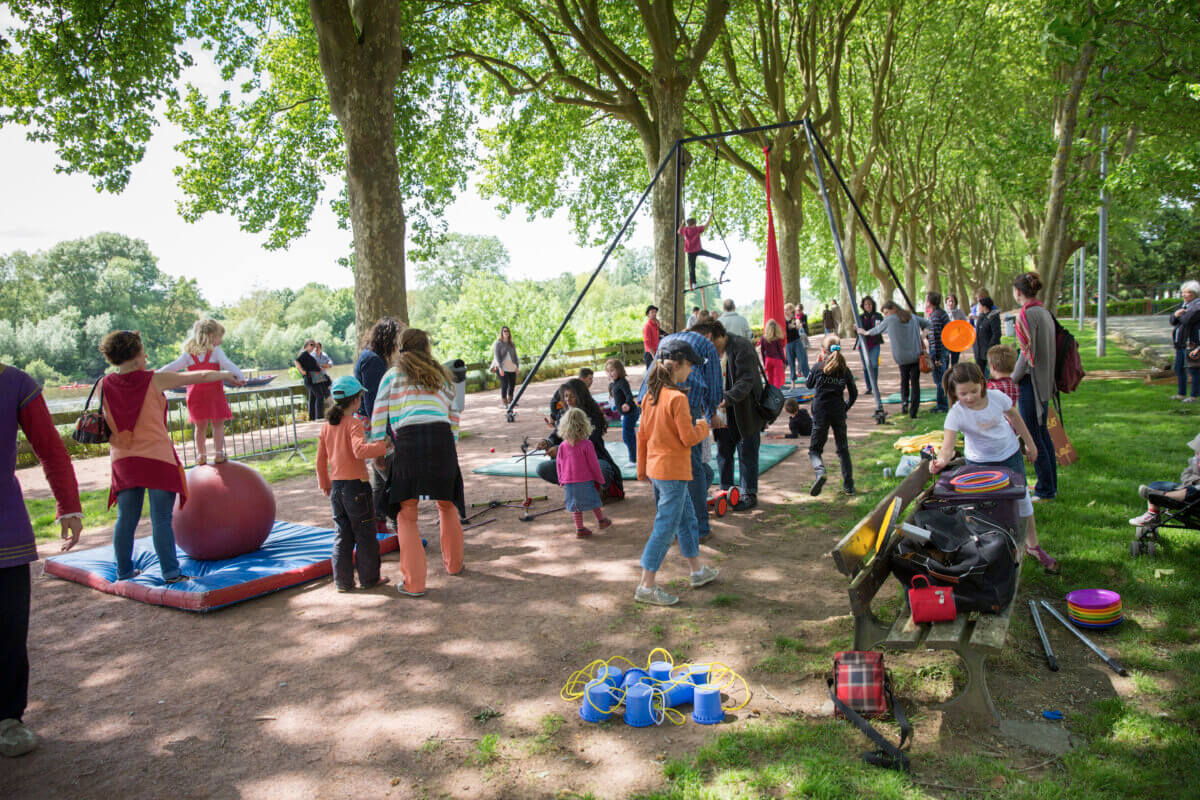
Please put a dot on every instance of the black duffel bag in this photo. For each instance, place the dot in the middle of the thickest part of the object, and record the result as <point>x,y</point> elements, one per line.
<point>970,553</point>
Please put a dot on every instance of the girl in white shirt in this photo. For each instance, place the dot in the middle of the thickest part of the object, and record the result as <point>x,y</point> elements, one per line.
<point>990,426</point>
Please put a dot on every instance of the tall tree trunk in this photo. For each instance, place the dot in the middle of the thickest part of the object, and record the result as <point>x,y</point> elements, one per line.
<point>670,268</point>
<point>362,52</point>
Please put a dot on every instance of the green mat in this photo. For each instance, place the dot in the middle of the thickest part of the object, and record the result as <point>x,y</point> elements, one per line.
<point>768,456</point>
<point>928,395</point>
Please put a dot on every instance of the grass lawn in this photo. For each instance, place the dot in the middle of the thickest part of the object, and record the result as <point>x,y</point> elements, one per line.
<point>1126,433</point>
<point>96,514</point>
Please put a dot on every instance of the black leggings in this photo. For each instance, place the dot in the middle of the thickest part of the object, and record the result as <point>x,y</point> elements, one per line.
<point>691,257</point>
<point>508,382</point>
<point>910,386</point>
<point>14,631</point>
<point>820,434</point>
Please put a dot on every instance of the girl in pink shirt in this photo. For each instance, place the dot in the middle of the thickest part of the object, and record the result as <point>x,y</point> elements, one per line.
<point>579,470</point>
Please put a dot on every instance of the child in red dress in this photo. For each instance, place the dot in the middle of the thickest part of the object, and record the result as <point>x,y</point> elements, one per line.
<point>206,402</point>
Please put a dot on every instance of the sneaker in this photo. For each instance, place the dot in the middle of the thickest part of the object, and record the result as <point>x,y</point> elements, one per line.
<point>180,578</point>
<point>344,589</point>
<point>605,523</point>
<point>130,577</point>
<point>15,738</point>
<point>705,576</point>
<point>1144,492</point>
<point>1144,519</point>
<point>848,490</point>
<point>1048,563</point>
<point>407,593</point>
<point>1189,399</point>
<point>583,533</point>
<point>1179,397</point>
<point>818,485</point>
<point>655,597</point>
<point>746,503</point>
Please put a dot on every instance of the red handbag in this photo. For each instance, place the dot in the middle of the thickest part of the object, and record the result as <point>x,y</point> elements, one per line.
<point>931,603</point>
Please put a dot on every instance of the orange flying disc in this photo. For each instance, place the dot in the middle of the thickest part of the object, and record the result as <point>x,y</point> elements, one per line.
<point>958,335</point>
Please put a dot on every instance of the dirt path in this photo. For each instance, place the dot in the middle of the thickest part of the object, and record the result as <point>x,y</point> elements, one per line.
<point>309,693</point>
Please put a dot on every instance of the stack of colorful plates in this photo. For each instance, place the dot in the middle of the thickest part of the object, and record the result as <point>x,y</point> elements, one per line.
<point>1095,608</point>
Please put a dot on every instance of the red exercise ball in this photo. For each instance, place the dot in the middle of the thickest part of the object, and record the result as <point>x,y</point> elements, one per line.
<point>230,510</point>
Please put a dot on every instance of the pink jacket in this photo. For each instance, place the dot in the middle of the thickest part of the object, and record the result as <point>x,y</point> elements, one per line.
<point>577,463</point>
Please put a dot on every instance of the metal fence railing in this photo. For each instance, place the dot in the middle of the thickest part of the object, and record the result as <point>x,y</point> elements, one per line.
<point>264,423</point>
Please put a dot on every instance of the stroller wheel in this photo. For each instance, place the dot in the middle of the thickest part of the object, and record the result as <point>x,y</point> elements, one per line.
<point>1150,547</point>
<point>722,506</point>
<point>1135,548</point>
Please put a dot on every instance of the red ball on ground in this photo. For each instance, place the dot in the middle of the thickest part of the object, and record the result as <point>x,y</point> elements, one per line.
<point>230,510</point>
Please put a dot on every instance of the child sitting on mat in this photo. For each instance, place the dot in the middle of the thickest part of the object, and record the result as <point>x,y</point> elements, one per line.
<point>1187,489</point>
<point>206,403</point>
<point>665,441</point>
<point>342,450</point>
<point>979,414</point>
<point>579,470</point>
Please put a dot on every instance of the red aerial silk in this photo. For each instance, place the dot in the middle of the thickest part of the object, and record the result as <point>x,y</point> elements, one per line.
<point>773,298</point>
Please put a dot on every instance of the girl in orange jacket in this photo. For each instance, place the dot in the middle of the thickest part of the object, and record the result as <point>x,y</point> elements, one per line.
<point>664,443</point>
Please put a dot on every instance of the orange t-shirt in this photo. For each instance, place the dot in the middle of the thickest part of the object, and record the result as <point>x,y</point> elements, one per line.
<point>342,450</point>
<point>666,435</point>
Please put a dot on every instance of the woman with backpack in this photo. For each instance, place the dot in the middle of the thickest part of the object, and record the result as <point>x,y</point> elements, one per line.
<point>1034,376</point>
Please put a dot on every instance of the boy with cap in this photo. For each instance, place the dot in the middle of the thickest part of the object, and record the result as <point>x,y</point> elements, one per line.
<point>342,450</point>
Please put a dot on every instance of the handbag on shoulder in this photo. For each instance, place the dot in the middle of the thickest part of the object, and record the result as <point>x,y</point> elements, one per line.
<point>91,427</point>
<point>770,403</point>
<point>860,688</point>
<point>924,363</point>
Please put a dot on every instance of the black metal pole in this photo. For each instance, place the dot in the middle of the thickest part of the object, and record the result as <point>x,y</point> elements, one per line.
<point>814,136</point>
<point>509,412</point>
<point>741,131</point>
<point>880,415</point>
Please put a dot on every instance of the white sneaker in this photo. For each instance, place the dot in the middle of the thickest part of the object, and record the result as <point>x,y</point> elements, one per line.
<point>1178,397</point>
<point>1189,399</point>
<point>1144,519</point>
<point>655,597</point>
<point>705,576</point>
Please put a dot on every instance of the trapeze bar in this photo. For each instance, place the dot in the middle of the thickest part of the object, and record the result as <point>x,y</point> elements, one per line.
<point>704,286</point>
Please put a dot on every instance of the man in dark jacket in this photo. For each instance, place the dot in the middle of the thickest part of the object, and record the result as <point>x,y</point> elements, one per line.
<point>987,331</point>
<point>743,390</point>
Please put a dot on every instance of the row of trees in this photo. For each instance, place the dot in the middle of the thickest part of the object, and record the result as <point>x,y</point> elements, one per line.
<point>970,132</point>
<point>56,305</point>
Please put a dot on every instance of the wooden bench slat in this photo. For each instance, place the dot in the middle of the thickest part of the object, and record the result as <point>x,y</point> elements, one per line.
<point>991,630</point>
<point>905,634</point>
<point>946,635</point>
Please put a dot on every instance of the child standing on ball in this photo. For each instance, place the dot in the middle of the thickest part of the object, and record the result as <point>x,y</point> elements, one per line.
<point>979,413</point>
<point>206,402</point>
<point>579,470</point>
<point>342,450</point>
<point>665,441</point>
<point>830,380</point>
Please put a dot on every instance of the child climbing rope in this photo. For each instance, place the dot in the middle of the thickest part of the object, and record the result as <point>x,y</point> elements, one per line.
<point>692,246</point>
<point>579,470</point>
<point>665,441</point>
<point>830,380</point>
<point>342,450</point>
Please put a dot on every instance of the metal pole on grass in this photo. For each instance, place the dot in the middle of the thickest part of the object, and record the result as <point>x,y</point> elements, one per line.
<point>1102,252</point>
<point>1082,285</point>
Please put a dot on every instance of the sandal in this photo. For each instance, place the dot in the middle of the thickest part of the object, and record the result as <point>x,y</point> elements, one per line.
<point>1048,563</point>
<point>201,460</point>
<point>219,458</point>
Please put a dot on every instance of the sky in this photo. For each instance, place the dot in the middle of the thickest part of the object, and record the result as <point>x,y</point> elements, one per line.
<point>41,208</point>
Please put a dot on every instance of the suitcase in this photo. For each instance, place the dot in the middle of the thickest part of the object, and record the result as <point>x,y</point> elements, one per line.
<point>999,505</point>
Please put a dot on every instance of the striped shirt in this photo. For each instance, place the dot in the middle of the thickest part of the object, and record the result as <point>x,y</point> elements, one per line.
<point>400,402</point>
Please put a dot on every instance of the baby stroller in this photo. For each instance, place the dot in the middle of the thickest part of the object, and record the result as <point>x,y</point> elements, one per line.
<point>1173,513</point>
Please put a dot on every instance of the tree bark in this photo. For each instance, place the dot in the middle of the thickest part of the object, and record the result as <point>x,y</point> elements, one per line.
<point>361,51</point>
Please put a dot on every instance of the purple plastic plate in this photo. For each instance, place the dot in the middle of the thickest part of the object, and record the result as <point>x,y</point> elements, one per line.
<point>1093,598</point>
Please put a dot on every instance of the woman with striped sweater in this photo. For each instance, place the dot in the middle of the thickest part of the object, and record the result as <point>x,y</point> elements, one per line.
<point>415,408</point>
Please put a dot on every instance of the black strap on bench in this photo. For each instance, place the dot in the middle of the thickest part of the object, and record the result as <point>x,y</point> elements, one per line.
<point>886,755</point>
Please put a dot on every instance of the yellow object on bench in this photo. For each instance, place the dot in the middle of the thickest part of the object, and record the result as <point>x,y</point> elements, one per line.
<point>914,443</point>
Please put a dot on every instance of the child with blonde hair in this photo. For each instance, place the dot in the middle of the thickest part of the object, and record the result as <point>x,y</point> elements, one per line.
<point>665,441</point>
<point>206,402</point>
<point>579,470</point>
<point>829,381</point>
<point>772,346</point>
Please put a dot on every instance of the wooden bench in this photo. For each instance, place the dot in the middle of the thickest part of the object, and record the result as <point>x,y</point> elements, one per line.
<point>973,636</point>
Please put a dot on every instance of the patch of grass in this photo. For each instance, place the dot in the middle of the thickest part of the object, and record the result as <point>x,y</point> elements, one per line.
<point>723,601</point>
<point>486,713</point>
<point>432,745</point>
<point>550,725</point>
<point>486,750</point>
<point>1138,746</point>
<point>658,631</point>
<point>96,513</point>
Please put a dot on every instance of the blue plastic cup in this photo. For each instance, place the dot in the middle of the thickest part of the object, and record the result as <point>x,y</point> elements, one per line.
<point>610,675</point>
<point>706,705</point>
<point>678,689</point>
<point>598,701</point>
<point>661,671</point>
<point>634,676</point>
<point>639,711</point>
<point>698,673</point>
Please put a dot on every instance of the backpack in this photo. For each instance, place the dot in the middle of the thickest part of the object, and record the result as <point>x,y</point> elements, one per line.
<point>1068,368</point>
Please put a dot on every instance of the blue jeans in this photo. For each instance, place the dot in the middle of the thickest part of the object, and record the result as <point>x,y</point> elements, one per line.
<point>129,512</point>
<point>702,475</point>
<point>629,432</point>
<point>674,519</point>
<point>1046,465</point>
<point>1182,370</point>
<point>873,360</point>
<point>939,369</point>
<point>796,354</point>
